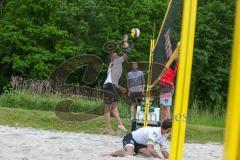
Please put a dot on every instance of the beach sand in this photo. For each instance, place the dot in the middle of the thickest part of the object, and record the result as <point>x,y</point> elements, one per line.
<point>31,144</point>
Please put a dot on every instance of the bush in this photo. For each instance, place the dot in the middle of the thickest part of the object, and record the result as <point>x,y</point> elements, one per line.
<point>26,100</point>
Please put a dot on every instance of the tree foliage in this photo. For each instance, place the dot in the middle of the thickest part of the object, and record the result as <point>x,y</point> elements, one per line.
<point>212,52</point>
<point>36,36</point>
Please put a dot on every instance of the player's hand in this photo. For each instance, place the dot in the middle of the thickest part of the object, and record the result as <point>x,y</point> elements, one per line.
<point>125,41</point>
<point>123,90</point>
<point>125,38</point>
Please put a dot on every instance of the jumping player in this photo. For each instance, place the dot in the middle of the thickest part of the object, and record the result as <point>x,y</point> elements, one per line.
<point>111,85</point>
<point>167,90</point>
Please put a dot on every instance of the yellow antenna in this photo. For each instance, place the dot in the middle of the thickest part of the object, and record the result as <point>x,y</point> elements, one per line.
<point>232,130</point>
<point>149,80</point>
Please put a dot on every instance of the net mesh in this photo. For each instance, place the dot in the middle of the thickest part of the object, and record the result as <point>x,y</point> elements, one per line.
<point>168,37</point>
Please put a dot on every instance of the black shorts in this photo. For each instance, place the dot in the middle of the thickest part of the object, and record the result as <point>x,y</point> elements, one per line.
<point>110,93</point>
<point>165,89</point>
<point>129,141</point>
<point>136,97</point>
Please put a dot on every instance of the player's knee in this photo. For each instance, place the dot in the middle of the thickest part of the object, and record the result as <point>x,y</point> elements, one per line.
<point>114,111</point>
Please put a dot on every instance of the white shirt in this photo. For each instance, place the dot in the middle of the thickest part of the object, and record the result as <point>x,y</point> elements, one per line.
<point>149,135</point>
<point>115,71</point>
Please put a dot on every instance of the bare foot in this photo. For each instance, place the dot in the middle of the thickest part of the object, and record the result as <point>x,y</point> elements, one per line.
<point>121,127</point>
<point>109,131</point>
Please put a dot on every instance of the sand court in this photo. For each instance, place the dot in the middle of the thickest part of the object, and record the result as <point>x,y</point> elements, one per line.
<point>32,144</point>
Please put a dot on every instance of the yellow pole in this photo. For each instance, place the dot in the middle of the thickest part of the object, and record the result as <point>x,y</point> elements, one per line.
<point>232,131</point>
<point>183,79</point>
<point>148,92</point>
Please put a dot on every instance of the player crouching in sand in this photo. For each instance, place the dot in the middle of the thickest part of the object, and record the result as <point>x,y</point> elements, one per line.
<point>142,141</point>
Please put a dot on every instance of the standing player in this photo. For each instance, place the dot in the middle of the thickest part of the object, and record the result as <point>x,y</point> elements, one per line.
<point>136,85</point>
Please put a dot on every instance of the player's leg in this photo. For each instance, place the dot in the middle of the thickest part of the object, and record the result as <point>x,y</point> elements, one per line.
<point>107,118</point>
<point>133,116</point>
<point>145,152</point>
<point>136,98</point>
<point>166,103</point>
<point>128,147</point>
<point>132,105</point>
<point>107,110</point>
<point>115,113</point>
<point>114,109</point>
<point>128,144</point>
<point>164,113</point>
<point>127,151</point>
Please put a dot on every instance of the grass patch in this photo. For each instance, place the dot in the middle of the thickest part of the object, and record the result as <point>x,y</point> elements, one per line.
<point>48,120</point>
<point>203,134</point>
<point>26,100</point>
<point>206,117</point>
<point>37,111</point>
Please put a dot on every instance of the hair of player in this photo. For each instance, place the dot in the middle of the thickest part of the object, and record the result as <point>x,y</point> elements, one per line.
<point>167,124</point>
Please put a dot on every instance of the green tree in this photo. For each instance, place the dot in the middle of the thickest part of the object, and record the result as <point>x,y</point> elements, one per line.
<point>212,53</point>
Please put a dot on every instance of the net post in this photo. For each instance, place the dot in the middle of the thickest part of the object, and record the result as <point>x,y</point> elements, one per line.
<point>148,91</point>
<point>232,130</point>
<point>183,79</point>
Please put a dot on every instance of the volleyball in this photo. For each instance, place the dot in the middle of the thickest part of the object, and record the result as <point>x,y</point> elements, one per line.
<point>135,33</point>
